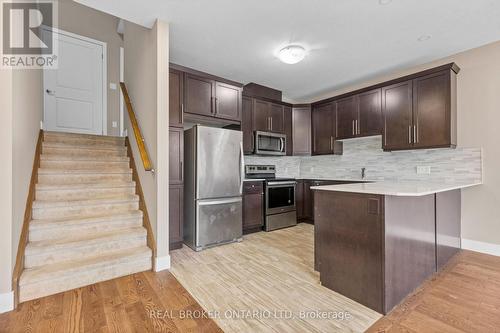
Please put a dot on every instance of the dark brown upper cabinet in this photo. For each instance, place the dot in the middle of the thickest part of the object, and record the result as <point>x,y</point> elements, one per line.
<point>369,106</point>
<point>347,117</point>
<point>277,118</point>
<point>260,115</point>
<point>176,98</point>
<point>205,98</point>
<point>247,125</point>
<point>227,101</point>
<point>301,130</point>
<point>421,112</point>
<point>434,116</point>
<point>397,108</point>
<point>198,95</point>
<point>411,112</point>
<point>323,129</point>
<point>287,117</point>
<point>359,115</point>
<point>268,116</point>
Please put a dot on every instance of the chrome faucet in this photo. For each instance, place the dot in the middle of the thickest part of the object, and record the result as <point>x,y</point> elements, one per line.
<point>363,173</point>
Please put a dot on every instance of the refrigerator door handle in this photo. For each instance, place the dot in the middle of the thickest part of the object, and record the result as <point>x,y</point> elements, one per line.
<point>219,201</point>
<point>242,167</point>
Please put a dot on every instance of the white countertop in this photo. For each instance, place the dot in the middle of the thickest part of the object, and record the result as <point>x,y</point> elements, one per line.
<point>402,188</point>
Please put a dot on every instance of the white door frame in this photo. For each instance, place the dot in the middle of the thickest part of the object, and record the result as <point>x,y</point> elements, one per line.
<point>104,72</point>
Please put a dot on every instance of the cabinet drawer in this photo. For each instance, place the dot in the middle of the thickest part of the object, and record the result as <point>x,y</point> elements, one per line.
<point>253,187</point>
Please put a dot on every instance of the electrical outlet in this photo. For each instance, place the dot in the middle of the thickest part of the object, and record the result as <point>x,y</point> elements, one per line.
<point>423,170</point>
<point>114,124</point>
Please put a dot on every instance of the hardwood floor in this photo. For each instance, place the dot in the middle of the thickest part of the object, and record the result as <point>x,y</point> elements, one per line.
<point>267,272</point>
<point>143,302</point>
<point>464,297</point>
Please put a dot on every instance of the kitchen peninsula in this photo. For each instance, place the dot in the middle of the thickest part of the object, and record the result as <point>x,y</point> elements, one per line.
<point>377,242</point>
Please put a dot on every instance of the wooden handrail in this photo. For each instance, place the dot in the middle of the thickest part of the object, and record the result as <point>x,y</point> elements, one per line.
<point>146,161</point>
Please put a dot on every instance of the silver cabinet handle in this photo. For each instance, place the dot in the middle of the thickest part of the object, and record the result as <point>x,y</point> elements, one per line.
<point>357,127</point>
<point>271,118</point>
<point>353,127</point>
<point>415,133</point>
<point>242,167</point>
<point>409,134</point>
<point>331,143</point>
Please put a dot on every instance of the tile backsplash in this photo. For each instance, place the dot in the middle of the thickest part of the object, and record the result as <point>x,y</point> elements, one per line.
<point>448,165</point>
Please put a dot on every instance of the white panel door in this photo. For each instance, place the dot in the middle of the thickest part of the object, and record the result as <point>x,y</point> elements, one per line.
<point>74,91</point>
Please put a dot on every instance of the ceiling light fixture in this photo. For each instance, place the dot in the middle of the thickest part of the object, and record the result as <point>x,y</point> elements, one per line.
<point>384,2</point>
<point>292,54</point>
<point>423,38</point>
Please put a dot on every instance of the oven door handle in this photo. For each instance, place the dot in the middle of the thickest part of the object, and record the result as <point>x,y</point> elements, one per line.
<point>282,145</point>
<point>281,184</point>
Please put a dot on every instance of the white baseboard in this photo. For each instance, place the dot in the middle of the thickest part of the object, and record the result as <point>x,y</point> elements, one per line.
<point>6,302</point>
<point>162,263</point>
<point>488,248</point>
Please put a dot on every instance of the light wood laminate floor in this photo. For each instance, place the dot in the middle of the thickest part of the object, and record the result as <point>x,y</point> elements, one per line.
<point>271,273</point>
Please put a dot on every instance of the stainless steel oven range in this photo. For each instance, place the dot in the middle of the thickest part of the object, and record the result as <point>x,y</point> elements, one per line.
<point>280,206</point>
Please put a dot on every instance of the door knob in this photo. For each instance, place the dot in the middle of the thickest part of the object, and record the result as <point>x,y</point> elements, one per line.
<point>50,92</point>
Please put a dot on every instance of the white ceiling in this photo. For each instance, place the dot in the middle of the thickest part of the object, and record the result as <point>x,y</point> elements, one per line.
<point>348,40</point>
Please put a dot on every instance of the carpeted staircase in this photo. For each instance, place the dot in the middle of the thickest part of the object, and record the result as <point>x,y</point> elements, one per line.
<point>86,224</point>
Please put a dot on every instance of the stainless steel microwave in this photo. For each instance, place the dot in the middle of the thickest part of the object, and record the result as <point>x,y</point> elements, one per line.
<point>267,143</point>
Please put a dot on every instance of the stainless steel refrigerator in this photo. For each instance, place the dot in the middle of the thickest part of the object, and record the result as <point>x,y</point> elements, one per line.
<point>213,183</point>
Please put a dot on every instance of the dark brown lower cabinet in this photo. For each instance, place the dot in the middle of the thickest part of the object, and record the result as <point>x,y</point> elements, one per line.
<point>377,249</point>
<point>176,211</point>
<point>253,206</point>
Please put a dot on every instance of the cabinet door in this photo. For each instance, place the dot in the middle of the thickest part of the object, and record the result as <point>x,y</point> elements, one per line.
<point>431,110</point>
<point>253,206</point>
<point>370,113</point>
<point>176,155</point>
<point>176,87</point>
<point>198,95</point>
<point>301,131</point>
<point>176,199</point>
<point>261,110</point>
<point>277,118</point>
<point>397,106</point>
<point>308,213</point>
<point>287,111</point>
<point>323,129</point>
<point>227,101</point>
<point>299,199</point>
<point>346,117</point>
<point>247,125</point>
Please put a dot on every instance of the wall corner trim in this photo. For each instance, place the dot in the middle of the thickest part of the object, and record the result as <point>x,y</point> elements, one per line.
<point>161,263</point>
<point>7,302</point>
<point>483,247</point>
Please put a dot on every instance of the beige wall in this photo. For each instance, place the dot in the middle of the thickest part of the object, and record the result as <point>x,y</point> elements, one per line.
<point>478,124</point>
<point>91,23</point>
<point>146,73</point>
<point>26,117</point>
<point>5,181</point>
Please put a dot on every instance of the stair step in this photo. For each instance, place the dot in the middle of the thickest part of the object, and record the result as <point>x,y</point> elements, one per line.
<point>51,279</point>
<point>92,142</point>
<point>56,145</point>
<point>46,192</point>
<point>48,252</point>
<point>48,149</point>
<point>84,165</point>
<point>45,229</point>
<point>104,158</point>
<point>95,207</point>
<point>86,177</point>
<point>55,136</point>
<point>44,171</point>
